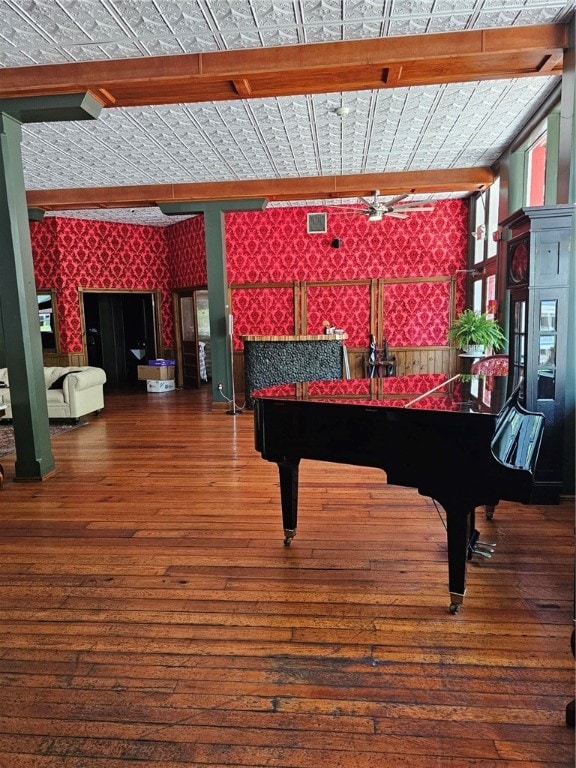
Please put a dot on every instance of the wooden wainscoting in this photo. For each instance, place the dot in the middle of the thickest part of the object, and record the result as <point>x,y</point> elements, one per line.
<point>410,360</point>
<point>64,359</point>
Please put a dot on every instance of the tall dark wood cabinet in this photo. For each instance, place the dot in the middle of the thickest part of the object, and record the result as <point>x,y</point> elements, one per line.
<point>538,253</point>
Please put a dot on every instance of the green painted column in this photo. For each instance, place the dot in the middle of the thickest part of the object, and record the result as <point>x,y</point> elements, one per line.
<point>19,309</point>
<point>220,316</point>
<point>220,343</point>
<point>21,342</point>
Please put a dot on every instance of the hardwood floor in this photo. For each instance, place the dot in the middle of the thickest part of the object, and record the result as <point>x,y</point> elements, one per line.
<point>151,616</point>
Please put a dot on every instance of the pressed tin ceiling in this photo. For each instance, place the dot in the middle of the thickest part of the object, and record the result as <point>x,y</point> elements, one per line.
<point>416,128</point>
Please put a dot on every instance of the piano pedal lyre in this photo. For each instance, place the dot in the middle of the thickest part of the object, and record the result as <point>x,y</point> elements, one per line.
<point>481,548</point>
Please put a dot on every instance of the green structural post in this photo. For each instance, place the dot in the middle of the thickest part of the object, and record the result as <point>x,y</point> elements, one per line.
<point>21,343</point>
<point>220,315</point>
<point>19,308</point>
<point>214,233</point>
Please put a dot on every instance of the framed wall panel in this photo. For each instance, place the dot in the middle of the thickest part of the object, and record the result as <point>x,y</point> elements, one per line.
<point>262,310</point>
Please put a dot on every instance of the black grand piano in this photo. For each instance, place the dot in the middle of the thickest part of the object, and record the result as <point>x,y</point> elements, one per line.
<point>423,431</point>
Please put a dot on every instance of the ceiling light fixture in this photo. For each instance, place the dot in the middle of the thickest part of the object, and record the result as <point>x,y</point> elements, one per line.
<point>342,111</point>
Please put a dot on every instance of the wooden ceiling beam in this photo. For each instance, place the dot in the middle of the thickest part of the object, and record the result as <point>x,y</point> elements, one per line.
<point>465,180</point>
<point>389,62</point>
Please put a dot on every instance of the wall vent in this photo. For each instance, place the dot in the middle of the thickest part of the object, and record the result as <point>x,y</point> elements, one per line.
<point>317,223</point>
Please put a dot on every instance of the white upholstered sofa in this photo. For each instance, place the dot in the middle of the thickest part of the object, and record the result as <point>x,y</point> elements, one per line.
<point>71,392</point>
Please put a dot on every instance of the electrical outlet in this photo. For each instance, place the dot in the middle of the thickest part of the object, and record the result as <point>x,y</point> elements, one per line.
<point>220,386</point>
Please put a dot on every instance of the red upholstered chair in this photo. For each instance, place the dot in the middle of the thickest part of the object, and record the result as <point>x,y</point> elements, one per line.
<point>494,365</point>
<point>491,366</point>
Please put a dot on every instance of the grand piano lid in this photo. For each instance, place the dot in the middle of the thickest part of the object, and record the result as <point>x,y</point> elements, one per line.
<point>435,392</point>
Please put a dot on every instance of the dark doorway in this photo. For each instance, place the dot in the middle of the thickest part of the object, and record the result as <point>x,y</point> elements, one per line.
<point>121,333</point>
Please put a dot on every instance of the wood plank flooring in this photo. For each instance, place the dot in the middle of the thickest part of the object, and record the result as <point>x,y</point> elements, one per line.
<point>151,616</point>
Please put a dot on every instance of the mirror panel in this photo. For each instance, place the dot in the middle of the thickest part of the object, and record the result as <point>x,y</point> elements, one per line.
<point>48,319</point>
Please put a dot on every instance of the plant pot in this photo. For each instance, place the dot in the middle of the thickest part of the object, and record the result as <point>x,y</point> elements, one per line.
<point>477,350</point>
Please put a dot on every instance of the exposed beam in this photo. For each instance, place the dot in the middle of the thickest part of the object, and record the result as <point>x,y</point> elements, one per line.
<point>308,188</point>
<point>58,108</point>
<point>301,69</point>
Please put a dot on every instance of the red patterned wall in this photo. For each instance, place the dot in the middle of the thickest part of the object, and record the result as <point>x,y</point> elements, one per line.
<point>273,246</point>
<point>269,246</point>
<point>187,252</point>
<point>346,307</point>
<point>416,314</point>
<point>44,238</point>
<point>99,255</point>
<point>262,312</point>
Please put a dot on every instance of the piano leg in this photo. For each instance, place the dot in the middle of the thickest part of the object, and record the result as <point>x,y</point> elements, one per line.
<point>459,521</point>
<point>288,470</point>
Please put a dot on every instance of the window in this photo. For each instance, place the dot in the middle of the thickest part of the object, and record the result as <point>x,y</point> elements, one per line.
<point>485,250</point>
<point>536,171</point>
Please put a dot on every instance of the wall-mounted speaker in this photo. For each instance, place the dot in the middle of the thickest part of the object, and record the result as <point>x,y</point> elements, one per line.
<point>336,243</point>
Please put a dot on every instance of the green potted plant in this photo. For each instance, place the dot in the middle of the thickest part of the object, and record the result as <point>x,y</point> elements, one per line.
<point>473,332</point>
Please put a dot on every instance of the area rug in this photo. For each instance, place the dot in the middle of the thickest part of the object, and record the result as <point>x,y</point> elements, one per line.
<point>7,434</point>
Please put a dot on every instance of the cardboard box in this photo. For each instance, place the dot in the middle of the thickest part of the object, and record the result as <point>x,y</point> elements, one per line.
<point>156,372</point>
<point>160,386</point>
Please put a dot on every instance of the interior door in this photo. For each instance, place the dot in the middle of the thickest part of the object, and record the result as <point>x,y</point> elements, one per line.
<point>189,350</point>
<point>192,336</point>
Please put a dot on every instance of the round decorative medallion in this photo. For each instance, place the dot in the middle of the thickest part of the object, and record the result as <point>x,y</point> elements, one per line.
<point>519,263</point>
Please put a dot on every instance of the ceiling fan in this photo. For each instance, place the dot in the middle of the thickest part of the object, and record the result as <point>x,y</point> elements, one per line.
<point>376,209</point>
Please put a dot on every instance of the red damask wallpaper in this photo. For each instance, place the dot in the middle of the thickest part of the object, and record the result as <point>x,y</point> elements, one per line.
<point>416,313</point>
<point>78,253</point>
<point>263,311</point>
<point>186,253</point>
<point>345,307</point>
<point>267,247</point>
<point>273,246</point>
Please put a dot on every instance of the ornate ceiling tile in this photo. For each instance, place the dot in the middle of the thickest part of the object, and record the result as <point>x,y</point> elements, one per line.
<point>438,126</point>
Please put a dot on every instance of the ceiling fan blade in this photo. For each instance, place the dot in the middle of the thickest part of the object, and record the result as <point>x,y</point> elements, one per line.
<point>417,203</point>
<point>414,208</point>
<point>395,215</point>
<point>372,202</point>
<point>396,200</point>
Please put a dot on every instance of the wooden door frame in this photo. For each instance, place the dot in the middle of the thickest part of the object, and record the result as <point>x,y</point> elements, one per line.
<point>177,294</point>
<point>156,305</point>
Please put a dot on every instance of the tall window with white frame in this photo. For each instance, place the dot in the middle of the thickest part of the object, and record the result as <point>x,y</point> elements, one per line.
<point>536,170</point>
<point>485,251</point>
